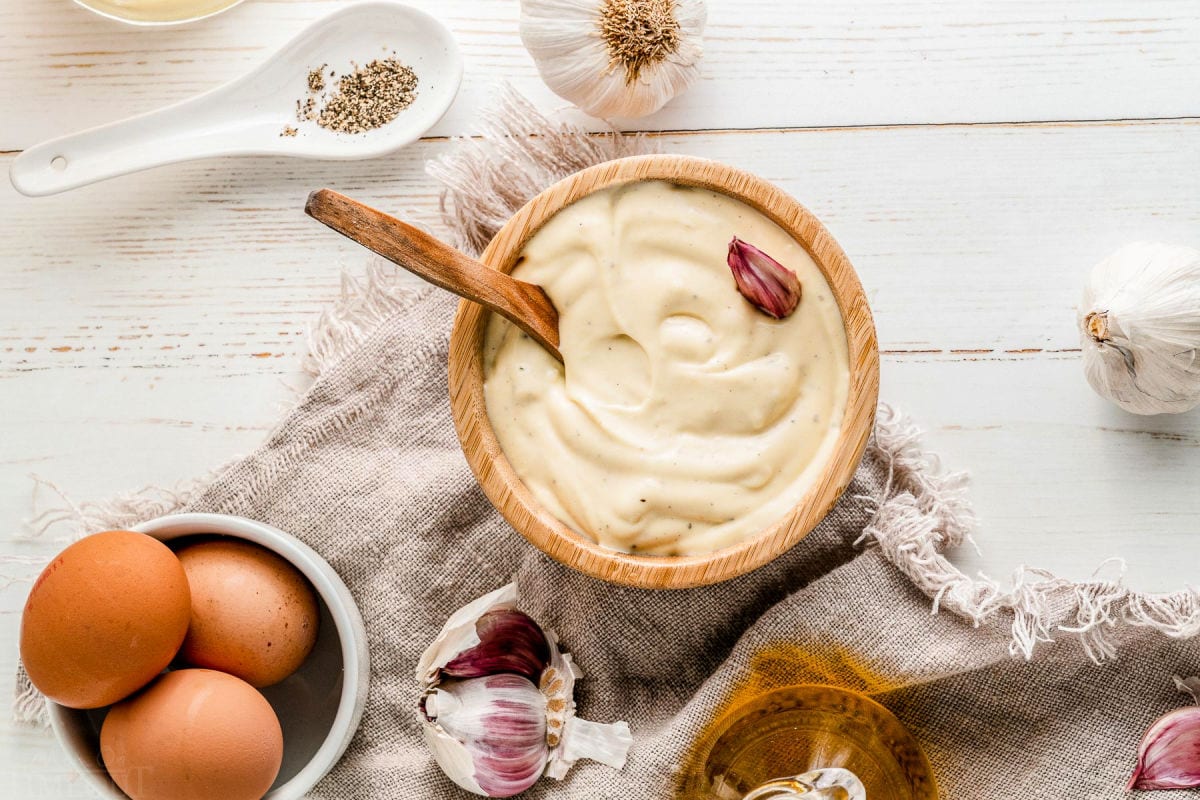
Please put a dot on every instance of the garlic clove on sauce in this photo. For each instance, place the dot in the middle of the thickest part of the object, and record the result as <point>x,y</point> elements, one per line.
<point>497,702</point>
<point>770,286</point>
<point>1169,754</point>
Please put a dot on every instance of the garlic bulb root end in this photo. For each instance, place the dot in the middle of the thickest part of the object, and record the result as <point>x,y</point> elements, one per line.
<point>615,58</point>
<point>1096,324</point>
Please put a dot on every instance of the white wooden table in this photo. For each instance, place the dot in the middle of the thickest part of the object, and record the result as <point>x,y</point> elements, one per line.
<point>973,158</point>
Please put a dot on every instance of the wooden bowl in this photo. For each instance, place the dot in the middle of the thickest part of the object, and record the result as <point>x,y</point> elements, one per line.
<point>514,499</point>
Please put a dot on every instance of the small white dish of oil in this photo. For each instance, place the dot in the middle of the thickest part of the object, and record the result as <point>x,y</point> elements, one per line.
<point>262,112</point>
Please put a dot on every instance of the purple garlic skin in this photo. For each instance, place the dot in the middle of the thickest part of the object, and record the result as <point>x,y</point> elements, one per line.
<point>509,642</point>
<point>770,287</point>
<point>497,708</point>
<point>1169,756</point>
<point>501,721</point>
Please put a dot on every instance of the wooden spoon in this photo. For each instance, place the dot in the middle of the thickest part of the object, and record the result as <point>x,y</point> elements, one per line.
<point>526,305</point>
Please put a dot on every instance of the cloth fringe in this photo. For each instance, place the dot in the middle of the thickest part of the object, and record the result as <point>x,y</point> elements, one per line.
<point>925,512</point>
<point>29,705</point>
<point>118,512</point>
<point>518,153</point>
<point>363,306</point>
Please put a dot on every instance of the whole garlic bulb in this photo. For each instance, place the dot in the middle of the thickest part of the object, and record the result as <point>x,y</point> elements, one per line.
<point>615,58</point>
<point>497,702</point>
<point>1140,328</point>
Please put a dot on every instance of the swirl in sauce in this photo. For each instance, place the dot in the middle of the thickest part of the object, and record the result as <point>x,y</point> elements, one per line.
<point>684,420</point>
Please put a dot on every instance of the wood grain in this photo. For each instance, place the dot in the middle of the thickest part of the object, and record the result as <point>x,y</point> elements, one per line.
<point>967,238</point>
<point>767,63</point>
<point>514,499</point>
<point>148,325</point>
<point>525,305</point>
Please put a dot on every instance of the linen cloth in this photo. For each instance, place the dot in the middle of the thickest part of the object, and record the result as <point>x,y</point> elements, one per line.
<point>367,469</point>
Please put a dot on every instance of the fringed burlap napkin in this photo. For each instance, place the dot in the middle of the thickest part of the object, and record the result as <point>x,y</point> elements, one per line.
<point>367,469</point>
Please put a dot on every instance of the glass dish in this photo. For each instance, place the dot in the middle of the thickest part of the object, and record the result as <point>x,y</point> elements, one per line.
<point>797,729</point>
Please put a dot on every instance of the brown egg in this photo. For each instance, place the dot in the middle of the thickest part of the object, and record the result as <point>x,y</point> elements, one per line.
<point>105,617</point>
<point>253,614</point>
<point>196,734</point>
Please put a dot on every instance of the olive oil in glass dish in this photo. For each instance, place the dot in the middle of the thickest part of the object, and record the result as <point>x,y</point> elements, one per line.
<point>811,742</point>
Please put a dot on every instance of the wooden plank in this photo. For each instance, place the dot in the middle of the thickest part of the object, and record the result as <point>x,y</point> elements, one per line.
<point>972,240</point>
<point>175,301</point>
<point>849,63</point>
<point>966,237</point>
<point>1061,479</point>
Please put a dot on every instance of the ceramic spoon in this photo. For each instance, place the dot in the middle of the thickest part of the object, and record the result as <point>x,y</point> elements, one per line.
<point>248,115</point>
<point>526,305</point>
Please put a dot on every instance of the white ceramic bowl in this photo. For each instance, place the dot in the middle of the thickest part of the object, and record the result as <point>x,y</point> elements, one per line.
<point>131,16</point>
<point>319,706</point>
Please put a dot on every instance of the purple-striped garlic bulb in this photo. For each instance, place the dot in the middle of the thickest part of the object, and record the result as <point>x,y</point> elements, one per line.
<point>497,702</point>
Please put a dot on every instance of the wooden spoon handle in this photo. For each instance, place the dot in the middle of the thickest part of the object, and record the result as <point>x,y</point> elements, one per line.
<point>525,304</point>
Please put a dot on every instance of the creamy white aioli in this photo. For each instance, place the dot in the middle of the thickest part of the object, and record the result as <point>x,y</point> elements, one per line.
<point>685,420</point>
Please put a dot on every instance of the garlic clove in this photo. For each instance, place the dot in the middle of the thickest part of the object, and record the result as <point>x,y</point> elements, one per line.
<point>485,637</point>
<point>461,632</point>
<point>771,287</point>
<point>1169,754</point>
<point>499,721</point>
<point>509,641</point>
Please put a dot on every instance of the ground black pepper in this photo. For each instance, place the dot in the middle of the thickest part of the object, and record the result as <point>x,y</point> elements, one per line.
<point>370,96</point>
<point>316,79</point>
<point>367,98</point>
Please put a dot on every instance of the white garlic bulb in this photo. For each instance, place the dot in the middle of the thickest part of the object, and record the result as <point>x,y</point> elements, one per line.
<point>1140,328</point>
<point>615,58</point>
